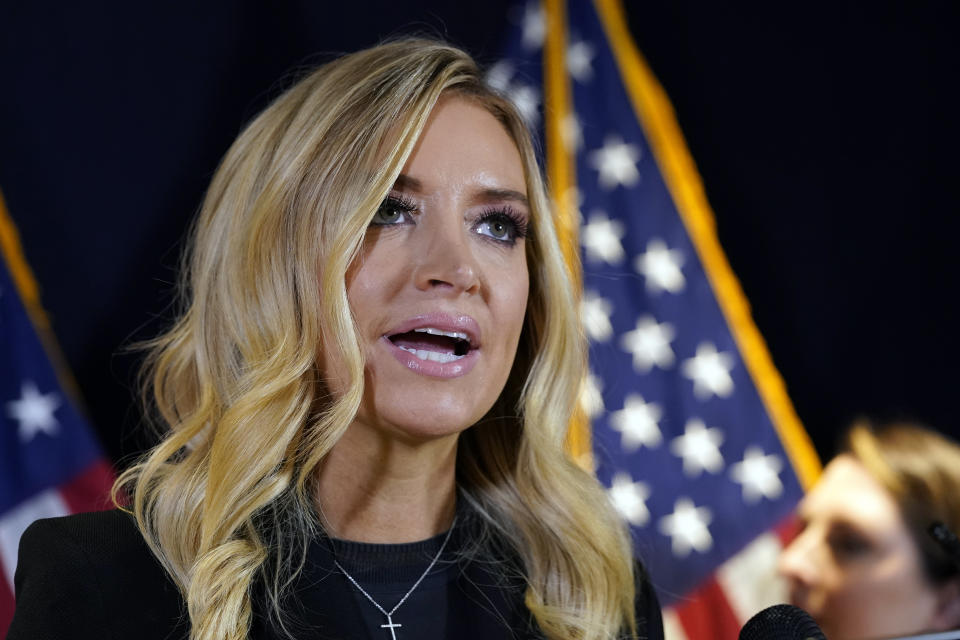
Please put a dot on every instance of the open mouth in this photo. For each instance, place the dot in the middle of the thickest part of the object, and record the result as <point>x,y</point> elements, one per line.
<point>435,345</point>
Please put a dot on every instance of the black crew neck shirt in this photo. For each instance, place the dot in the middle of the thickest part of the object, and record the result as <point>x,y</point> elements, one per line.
<point>387,572</point>
<point>465,594</point>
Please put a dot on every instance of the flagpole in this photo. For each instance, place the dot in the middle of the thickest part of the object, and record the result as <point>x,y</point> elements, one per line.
<point>561,178</point>
<point>11,252</point>
<point>683,181</point>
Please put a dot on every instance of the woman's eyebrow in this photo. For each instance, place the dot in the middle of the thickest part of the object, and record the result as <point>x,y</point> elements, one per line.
<point>503,194</point>
<point>404,181</point>
<point>484,194</point>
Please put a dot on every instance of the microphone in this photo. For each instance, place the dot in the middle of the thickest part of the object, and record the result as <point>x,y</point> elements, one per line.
<point>781,622</point>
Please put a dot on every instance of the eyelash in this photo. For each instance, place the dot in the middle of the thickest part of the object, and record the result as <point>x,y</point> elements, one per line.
<point>505,215</point>
<point>508,216</point>
<point>399,202</point>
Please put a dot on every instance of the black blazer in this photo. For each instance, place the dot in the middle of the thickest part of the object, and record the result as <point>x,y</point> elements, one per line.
<point>92,576</point>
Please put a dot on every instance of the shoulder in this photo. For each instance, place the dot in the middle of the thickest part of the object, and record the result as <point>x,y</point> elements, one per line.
<point>88,532</point>
<point>106,545</point>
<point>90,573</point>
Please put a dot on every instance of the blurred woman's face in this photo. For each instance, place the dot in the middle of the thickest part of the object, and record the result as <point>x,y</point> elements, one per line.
<point>854,566</point>
<point>439,291</point>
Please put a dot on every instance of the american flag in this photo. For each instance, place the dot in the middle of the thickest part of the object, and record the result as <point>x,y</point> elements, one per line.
<point>691,428</point>
<point>50,463</point>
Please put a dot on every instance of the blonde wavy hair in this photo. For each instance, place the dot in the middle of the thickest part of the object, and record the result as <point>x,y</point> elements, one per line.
<point>227,498</point>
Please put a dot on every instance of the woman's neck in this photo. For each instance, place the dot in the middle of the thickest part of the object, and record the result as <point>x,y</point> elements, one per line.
<point>374,488</point>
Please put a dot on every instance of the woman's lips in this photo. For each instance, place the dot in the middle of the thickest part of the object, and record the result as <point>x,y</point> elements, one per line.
<point>429,344</point>
<point>433,363</point>
<point>447,322</point>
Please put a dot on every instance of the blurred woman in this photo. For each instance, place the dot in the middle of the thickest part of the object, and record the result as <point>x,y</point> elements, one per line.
<point>365,398</point>
<point>864,564</point>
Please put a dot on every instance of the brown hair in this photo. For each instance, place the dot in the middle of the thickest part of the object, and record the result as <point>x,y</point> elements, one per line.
<point>921,470</point>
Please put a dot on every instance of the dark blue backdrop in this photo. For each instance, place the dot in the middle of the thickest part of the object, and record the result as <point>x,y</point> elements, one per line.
<point>826,139</point>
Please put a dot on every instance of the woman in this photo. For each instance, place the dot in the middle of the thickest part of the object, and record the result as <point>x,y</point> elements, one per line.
<point>367,393</point>
<point>864,564</point>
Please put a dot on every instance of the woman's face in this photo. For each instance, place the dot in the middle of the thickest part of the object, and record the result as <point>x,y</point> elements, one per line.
<point>439,291</point>
<point>854,566</point>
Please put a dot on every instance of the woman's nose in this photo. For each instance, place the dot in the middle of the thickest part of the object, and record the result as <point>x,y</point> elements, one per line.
<point>798,562</point>
<point>445,258</point>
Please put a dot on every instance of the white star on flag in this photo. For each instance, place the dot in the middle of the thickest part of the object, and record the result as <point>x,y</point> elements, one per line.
<point>649,343</point>
<point>534,26</point>
<point>527,101</point>
<point>579,58</point>
<point>660,267</point>
<point>688,528</point>
<point>498,76</point>
<point>637,422</point>
<point>600,238</point>
<point>595,311</point>
<point>591,396</point>
<point>630,499</point>
<point>617,163</point>
<point>710,372</point>
<point>34,411</point>
<point>699,447</point>
<point>759,475</point>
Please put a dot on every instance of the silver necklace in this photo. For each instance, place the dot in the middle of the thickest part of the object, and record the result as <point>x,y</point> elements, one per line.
<point>391,625</point>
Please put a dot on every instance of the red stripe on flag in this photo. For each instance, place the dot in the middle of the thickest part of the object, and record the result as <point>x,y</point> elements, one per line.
<point>706,615</point>
<point>6,603</point>
<point>89,491</point>
<point>788,529</point>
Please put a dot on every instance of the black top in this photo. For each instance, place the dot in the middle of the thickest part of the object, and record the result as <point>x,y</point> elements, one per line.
<point>92,576</point>
<point>441,603</point>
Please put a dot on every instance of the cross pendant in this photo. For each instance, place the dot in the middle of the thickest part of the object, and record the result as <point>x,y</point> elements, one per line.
<point>391,625</point>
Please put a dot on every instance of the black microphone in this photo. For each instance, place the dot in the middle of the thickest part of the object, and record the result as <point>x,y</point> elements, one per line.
<point>781,622</point>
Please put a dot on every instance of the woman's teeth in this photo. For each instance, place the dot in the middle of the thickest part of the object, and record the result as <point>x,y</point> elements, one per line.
<point>433,344</point>
<point>432,356</point>
<point>438,332</point>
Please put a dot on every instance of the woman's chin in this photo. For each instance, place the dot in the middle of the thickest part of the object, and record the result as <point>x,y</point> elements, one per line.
<point>416,425</point>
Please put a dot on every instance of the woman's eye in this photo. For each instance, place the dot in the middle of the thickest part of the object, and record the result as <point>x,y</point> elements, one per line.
<point>496,229</point>
<point>392,211</point>
<point>847,545</point>
<point>500,226</point>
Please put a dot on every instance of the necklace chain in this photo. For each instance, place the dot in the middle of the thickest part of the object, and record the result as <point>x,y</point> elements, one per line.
<point>390,624</point>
